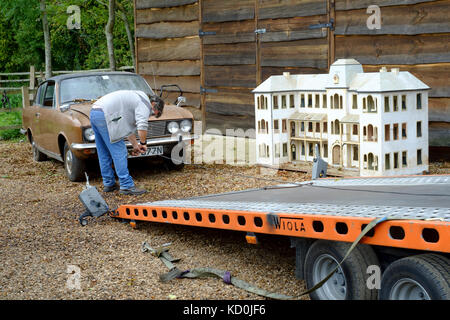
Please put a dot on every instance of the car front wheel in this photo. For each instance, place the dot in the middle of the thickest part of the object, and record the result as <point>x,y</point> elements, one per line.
<point>73,166</point>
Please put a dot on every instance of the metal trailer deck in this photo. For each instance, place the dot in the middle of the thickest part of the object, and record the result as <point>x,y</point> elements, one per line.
<point>331,209</point>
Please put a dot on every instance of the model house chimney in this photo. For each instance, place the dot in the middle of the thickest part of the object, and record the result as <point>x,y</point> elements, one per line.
<point>383,69</point>
<point>395,70</point>
<point>286,74</point>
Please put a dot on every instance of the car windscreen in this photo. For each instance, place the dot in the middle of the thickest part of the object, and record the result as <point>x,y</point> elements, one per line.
<point>94,87</point>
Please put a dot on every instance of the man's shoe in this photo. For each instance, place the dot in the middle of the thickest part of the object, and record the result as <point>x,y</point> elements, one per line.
<point>132,191</point>
<point>111,188</point>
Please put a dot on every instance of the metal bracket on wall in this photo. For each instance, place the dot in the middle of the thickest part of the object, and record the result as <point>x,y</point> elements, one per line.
<point>202,33</point>
<point>205,90</point>
<point>323,25</point>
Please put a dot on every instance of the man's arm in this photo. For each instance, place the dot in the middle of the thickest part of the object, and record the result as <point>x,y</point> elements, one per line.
<point>137,146</point>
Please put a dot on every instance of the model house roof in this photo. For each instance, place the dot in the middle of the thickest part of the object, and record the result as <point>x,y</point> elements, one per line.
<point>344,73</point>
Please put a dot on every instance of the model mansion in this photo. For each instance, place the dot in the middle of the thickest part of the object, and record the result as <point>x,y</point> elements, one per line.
<point>375,122</point>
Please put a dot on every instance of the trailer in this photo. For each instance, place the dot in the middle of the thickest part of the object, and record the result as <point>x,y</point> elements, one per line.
<point>376,238</point>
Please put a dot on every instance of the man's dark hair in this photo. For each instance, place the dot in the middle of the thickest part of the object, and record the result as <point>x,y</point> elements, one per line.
<point>159,104</point>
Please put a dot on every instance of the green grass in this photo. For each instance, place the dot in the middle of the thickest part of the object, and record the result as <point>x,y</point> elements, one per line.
<point>10,119</point>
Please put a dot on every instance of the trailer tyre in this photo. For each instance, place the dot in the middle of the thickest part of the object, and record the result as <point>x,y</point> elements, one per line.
<point>348,282</point>
<point>420,277</point>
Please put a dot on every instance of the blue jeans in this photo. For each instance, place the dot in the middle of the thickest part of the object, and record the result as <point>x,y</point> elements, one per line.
<point>109,153</point>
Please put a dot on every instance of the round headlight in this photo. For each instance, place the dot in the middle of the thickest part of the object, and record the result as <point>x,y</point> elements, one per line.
<point>89,134</point>
<point>173,127</point>
<point>186,125</point>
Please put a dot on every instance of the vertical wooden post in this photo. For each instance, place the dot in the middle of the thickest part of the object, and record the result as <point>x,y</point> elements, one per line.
<point>331,37</point>
<point>258,44</point>
<point>25,97</point>
<point>202,68</point>
<point>136,67</point>
<point>32,77</point>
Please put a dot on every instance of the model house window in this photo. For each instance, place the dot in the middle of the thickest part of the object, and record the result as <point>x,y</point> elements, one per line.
<point>371,104</point>
<point>310,127</point>
<point>317,101</point>
<point>277,150</point>
<point>324,101</point>
<point>387,108</point>
<point>387,161</point>
<point>403,130</point>
<point>303,149</point>
<point>284,125</point>
<point>325,127</point>
<point>309,100</point>
<point>325,150</point>
<point>317,126</point>
<point>285,149</point>
<point>336,127</point>
<point>283,102</point>
<point>292,129</point>
<point>291,101</point>
<point>395,104</point>
<point>302,126</point>
<point>336,101</point>
<point>355,102</point>
<point>355,153</point>
<point>364,104</point>
<point>293,153</point>
<point>404,159</point>
<point>395,131</point>
<point>403,103</point>
<point>311,149</point>
<point>419,129</point>
<point>276,127</point>
<point>395,160</point>
<point>365,161</point>
<point>258,103</point>
<point>341,103</point>
<point>302,101</point>
<point>419,101</point>
<point>355,129</point>
<point>419,156</point>
<point>387,131</point>
<point>370,133</point>
<point>275,102</point>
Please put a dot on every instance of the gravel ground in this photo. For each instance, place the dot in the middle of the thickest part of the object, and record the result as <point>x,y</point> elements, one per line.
<point>40,237</point>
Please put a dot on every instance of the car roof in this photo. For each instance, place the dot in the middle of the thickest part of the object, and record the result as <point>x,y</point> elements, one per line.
<point>59,78</point>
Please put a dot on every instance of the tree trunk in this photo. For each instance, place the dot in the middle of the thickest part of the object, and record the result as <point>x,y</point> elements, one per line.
<point>109,34</point>
<point>123,15</point>
<point>48,47</point>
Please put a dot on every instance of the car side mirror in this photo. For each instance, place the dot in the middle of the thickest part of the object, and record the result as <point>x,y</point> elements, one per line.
<point>180,100</point>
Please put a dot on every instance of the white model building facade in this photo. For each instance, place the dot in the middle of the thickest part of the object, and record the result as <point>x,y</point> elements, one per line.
<point>375,122</point>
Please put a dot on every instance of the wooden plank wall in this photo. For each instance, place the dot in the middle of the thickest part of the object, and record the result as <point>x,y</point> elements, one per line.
<point>236,59</point>
<point>414,37</point>
<point>168,47</point>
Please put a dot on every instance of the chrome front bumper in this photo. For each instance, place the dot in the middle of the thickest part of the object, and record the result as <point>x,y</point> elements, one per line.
<point>150,142</point>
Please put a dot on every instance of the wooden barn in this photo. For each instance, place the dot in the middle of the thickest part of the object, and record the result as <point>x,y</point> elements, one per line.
<point>218,51</point>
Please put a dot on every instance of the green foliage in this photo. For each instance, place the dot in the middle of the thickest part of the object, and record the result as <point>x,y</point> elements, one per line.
<point>10,119</point>
<point>22,38</point>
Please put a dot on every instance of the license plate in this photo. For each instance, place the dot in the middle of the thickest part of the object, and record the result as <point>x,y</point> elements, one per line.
<point>151,151</point>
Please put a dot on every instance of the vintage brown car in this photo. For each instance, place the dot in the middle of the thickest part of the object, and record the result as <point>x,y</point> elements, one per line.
<point>57,123</point>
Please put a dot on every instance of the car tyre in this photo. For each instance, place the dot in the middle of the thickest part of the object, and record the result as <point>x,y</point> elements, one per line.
<point>37,155</point>
<point>73,166</point>
<point>174,164</point>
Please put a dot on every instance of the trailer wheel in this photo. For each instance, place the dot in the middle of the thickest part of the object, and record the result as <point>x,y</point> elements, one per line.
<point>421,277</point>
<point>348,282</point>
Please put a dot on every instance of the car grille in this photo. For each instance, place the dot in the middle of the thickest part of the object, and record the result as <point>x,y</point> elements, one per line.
<point>156,129</point>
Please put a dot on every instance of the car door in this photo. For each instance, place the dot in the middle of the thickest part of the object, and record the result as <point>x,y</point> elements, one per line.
<point>48,126</point>
<point>34,115</point>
